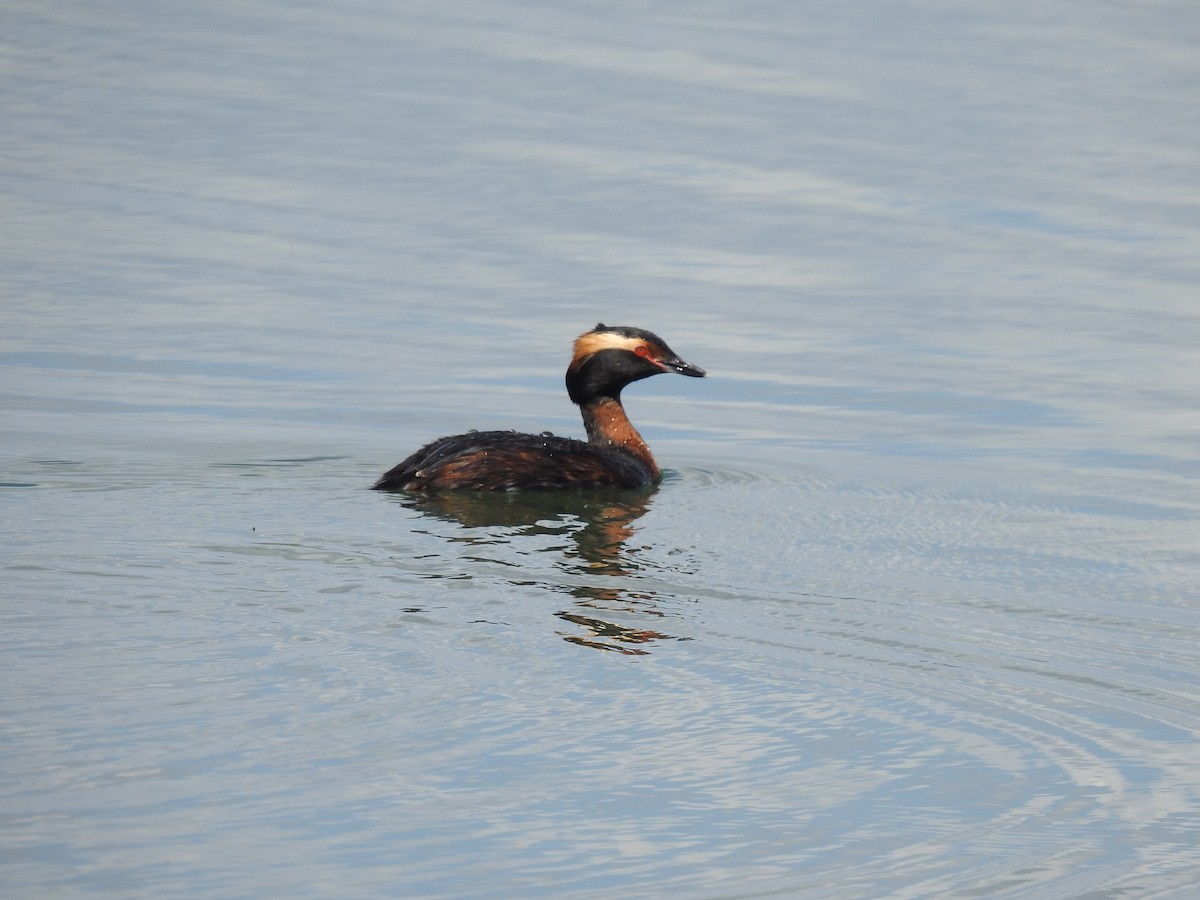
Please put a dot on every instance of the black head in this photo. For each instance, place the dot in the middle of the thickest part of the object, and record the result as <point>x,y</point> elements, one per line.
<point>609,357</point>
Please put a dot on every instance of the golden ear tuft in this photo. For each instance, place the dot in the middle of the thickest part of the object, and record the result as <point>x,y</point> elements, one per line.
<point>595,341</point>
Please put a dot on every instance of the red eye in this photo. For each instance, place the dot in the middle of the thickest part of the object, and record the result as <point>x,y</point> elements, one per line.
<point>642,350</point>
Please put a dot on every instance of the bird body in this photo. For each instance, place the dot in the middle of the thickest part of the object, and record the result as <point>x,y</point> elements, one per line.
<point>606,359</point>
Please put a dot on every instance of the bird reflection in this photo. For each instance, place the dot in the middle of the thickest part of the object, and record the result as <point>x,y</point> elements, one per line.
<point>599,525</point>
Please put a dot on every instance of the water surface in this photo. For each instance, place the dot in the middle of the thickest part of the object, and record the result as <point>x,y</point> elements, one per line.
<point>914,611</point>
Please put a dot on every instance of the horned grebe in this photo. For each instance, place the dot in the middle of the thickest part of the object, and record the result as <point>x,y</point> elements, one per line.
<point>606,359</point>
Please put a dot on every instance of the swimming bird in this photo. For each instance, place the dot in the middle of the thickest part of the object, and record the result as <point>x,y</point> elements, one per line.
<point>606,359</point>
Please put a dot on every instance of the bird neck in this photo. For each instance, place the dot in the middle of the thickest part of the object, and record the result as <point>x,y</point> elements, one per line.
<point>608,426</point>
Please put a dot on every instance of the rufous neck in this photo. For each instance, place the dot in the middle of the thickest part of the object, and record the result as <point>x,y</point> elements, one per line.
<point>608,426</point>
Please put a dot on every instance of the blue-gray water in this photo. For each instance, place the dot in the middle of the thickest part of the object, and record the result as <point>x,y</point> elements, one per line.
<point>916,609</point>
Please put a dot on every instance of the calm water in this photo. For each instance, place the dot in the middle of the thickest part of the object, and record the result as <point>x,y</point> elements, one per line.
<point>916,609</point>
